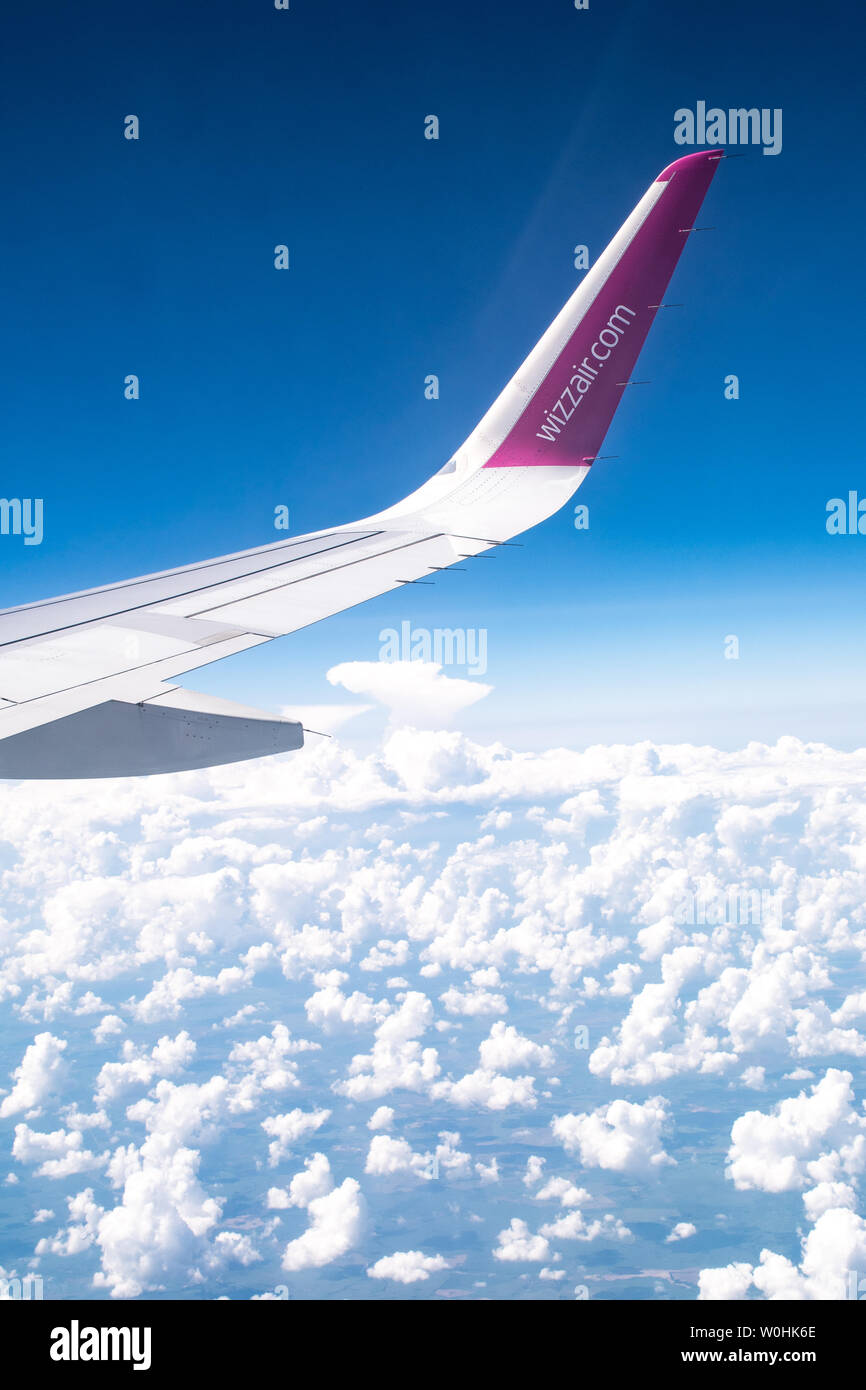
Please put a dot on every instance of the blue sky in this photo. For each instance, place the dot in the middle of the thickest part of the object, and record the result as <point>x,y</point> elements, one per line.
<point>412,256</point>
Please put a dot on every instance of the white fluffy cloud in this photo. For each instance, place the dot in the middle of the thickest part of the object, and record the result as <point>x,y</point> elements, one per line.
<point>681,1231</point>
<point>815,1142</point>
<point>415,692</point>
<point>395,1158</point>
<point>573,1225</point>
<point>472,1003</point>
<point>286,1130</point>
<point>159,1231</point>
<point>622,1136</point>
<point>832,1260</point>
<point>388,1158</point>
<point>59,1154</point>
<point>806,1139</point>
<point>506,1049</point>
<point>315,1181</point>
<point>336,1224</point>
<point>567,1193</point>
<point>488,1089</point>
<point>140,1065</point>
<point>517,1242</point>
<point>442,917</point>
<point>407,1266</point>
<point>397,1060</point>
<point>40,1074</point>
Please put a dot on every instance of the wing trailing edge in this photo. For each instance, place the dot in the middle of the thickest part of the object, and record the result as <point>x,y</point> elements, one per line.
<point>177,731</point>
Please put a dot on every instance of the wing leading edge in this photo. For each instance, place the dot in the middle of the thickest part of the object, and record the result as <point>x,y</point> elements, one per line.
<point>86,680</point>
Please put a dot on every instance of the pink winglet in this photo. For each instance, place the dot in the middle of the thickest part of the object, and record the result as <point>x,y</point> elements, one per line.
<point>569,415</point>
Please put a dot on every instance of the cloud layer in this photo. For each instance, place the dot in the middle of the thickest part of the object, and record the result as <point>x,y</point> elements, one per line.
<point>256,1012</point>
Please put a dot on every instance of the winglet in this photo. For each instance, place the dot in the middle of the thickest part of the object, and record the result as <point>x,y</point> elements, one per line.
<point>559,405</point>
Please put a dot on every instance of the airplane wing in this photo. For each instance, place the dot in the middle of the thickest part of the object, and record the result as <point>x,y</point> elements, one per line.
<point>87,680</point>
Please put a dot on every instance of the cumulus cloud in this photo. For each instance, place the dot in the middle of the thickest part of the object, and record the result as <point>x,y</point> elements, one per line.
<point>815,1142</point>
<point>517,1242</point>
<point>833,1254</point>
<point>506,1049</point>
<point>488,1089</point>
<point>623,1136</point>
<point>415,692</point>
<point>286,1130</point>
<point>389,1158</point>
<point>277,1199</point>
<point>729,1283</point>
<point>59,1154</point>
<point>159,1231</point>
<point>814,1138</point>
<point>336,1224</point>
<point>314,1181</point>
<point>681,1231</point>
<point>395,1158</point>
<point>177,987</point>
<point>541,892</point>
<point>39,1075</point>
<point>331,1010</point>
<point>567,1193</point>
<point>534,1170</point>
<point>235,1247</point>
<point>573,1225</point>
<point>407,1266</point>
<point>472,1003</point>
<point>265,1066</point>
<point>397,1060</point>
<point>140,1065</point>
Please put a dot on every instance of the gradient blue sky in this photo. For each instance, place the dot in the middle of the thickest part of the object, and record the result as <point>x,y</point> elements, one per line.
<point>411,257</point>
